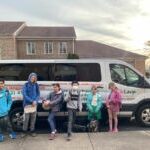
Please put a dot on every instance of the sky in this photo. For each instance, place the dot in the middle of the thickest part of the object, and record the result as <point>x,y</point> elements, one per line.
<point>121,23</point>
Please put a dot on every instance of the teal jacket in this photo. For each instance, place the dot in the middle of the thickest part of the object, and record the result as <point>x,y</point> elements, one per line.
<point>5,102</point>
<point>89,102</point>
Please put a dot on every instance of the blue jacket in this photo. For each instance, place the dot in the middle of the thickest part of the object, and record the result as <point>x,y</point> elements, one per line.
<point>5,102</point>
<point>89,101</point>
<point>30,91</point>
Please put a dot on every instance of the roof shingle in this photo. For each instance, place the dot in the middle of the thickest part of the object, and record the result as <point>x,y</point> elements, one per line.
<point>8,28</point>
<point>92,49</point>
<point>49,32</point>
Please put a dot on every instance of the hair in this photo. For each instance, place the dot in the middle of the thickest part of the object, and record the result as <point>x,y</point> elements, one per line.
<point>74,82</point>
<point>57,84</point>
<point>2,81</point>
<point>112,84</point>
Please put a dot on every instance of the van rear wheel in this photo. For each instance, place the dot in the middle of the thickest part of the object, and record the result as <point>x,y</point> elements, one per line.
<point>143,115</point>
<point>16,118</point>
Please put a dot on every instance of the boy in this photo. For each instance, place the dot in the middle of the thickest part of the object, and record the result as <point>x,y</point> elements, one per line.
<point>73,104</point>
<point>5,105</point>
<point>31,95</point>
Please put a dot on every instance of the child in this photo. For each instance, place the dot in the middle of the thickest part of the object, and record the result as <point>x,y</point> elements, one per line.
<point>31,95</point>
<point>73,104</point>
<point>94,104</point>
<point>54,101</point>
<point>5,105</point>
<point>113,104</point>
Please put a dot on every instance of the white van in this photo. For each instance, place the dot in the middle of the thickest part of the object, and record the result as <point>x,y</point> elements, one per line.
<point>136,88</point>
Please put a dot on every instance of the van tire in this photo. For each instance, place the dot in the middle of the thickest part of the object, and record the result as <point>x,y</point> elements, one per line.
<point>141,114</point>
<point>16,118</point>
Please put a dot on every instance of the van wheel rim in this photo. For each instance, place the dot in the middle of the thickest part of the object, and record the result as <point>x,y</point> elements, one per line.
<point>146,116</point>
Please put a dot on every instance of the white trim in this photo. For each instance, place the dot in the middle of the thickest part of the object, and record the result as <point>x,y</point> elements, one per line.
<point>64,60</point>
<point>73,49</point>
<point>27,50</point>
<point>19,29</point>
<point>46,37</point>
<point>52,48</point>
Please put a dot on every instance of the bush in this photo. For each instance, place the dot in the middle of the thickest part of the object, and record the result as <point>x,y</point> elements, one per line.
<point>72,56</point>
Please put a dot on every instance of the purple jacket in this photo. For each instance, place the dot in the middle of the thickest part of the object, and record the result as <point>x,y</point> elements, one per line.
<point>114,97</point>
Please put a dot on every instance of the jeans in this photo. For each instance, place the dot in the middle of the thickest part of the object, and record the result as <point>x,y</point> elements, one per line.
<point>5,123</point>
<point>71,119</point>
<point>51,120</point>
<point>29,117</point>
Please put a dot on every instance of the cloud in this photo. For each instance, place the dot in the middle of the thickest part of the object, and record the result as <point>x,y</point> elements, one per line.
<point>105,21</point>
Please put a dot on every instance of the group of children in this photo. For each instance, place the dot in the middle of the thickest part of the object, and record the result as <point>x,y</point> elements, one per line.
<point>53,103</point>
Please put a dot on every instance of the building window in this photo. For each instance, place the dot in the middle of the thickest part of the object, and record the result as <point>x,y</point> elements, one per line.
<point>30,47</point>
<point>48,47</point>
<point>63,48</point>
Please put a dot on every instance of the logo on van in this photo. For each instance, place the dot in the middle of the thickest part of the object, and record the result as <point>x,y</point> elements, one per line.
<point>129,92</point>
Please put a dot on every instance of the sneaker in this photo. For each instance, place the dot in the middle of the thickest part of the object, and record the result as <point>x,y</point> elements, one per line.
<point>115,130</point>
<point>1,138</point>
<point>13,135</point>
<point>69,137</point>
<point>52,136</point>
<point>33,134</point>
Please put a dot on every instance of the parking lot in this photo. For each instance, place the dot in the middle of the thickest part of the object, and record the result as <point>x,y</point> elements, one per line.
<point>129,137</point>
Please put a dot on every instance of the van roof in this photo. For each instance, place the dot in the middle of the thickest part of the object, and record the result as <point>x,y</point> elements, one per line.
<point>59,60</point>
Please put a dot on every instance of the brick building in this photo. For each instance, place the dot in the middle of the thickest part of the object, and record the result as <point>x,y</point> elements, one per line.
<point>19,41</point>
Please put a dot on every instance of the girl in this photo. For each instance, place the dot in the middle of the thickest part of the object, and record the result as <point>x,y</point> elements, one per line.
<point>94,104</point>
<point>113,104</point>
<point>54,102</point>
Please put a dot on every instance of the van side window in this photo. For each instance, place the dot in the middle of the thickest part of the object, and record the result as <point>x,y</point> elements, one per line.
<point>89,72</point>
<point>77,71</point>
<point>64,72</point>
<point>132,77</point>
<point>20,72</point>
<point>42,71</point>
<point>124,75</point>
<point>11,72</point>
<point>118,73</point>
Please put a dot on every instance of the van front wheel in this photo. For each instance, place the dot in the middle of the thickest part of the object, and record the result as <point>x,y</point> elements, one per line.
<point>143,115</point>
<point>16,118</point>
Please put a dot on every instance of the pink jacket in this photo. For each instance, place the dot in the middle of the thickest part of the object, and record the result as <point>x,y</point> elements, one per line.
<point>115,97</point>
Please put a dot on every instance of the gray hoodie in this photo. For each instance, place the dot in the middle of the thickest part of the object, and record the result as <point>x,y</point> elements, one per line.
<point>73,100</point>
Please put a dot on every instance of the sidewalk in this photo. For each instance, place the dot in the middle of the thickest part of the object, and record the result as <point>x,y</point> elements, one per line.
<point>127,140</point>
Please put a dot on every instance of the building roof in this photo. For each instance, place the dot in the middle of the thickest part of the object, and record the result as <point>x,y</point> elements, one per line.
<point>9,28</point>
<point>47,32</point>
<point>93,49</point>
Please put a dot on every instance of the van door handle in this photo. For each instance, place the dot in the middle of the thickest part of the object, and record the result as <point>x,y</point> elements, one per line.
<point>101,87</point>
